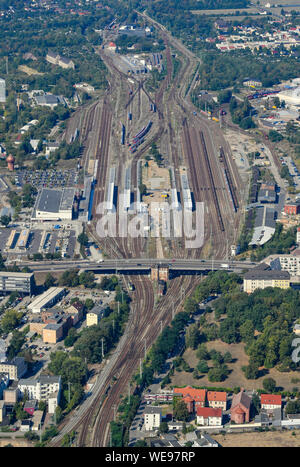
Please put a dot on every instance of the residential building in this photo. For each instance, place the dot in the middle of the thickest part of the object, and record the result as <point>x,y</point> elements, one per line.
<point>192,397</point>
<point>47,299</point>
<point>205,441</point>
<point>37,419</point>
<point>94,316</point>
<point>2,91</point>
<point>152,418</point>
<point>46,388</point>
<point>292,208</point>
<point>252,82</point>
<point>16,281</point>
<point>48,100</point>
<point>209,416</point>
<point>76,312</point>
<point>289,263</point>
<point>52,333</point>
<point>270,401</point>
<point>217,399</point>
<point>298,235</point>
<point>263,276</point>
<point>30,406</point>
<point>11,395</point>
<point>25,425</point>
<point>4,382</point>
<point>240,408</point>
<point>56,59</point>
<point>15,368</point>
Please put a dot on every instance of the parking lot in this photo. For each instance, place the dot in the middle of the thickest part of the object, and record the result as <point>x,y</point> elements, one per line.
<point>47,178</point>
<point>54,241</point>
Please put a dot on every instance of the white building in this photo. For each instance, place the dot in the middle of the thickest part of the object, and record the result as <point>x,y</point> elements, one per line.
<point>44,388</point>
<point>15,368</point>
<point>53,204</point>
<point>288,263</point>
<point>152,418</point>
<point>47,299</point>
<point>209,416</point>
<point>2,91</point>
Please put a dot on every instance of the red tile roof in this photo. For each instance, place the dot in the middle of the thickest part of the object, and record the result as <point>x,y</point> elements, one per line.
<point>208,412</point>
<point>198,395</point>
<point>216,396</point>
<point>270,399</point>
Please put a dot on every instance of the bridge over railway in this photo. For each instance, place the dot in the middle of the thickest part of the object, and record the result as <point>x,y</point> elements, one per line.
<point>176,267</point>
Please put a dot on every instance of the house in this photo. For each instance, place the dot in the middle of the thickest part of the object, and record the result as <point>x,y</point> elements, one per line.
<point>292,208</point>
<point>94,316</point>
<point>192,397</point>
<point>112,46</point>
<point>252,83</point>
<point>25,425</point>
<point>270,401</point>
<point>217,399</point>
<point>30,406</point>
<point>205,441</point>
<point>76,312</point>
<point>152,418</point>
<point>240,408</point>
<point>209,416</point>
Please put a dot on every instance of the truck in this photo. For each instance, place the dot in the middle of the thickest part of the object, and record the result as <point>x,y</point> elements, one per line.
<point>224,265</point>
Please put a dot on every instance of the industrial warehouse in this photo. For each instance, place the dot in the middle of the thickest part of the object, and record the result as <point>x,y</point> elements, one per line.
<point>54,205</point>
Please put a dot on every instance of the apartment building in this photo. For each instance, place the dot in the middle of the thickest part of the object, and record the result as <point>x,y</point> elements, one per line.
<point>263,277</point>
<point>15,368</point>
<point>287,263</point>
<point>16,282</point>
<point>152,418</point>
<point>46,388</point>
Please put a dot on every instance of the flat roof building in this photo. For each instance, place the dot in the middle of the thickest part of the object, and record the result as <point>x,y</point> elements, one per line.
<point>16,281</point>
<point>47,299</point>
<point>53,204</point>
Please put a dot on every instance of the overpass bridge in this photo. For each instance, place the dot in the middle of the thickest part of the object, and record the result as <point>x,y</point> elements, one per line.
<point>176,267</point>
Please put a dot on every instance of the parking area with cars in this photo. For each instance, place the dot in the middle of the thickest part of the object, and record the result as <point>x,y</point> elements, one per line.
<point>52,178</point>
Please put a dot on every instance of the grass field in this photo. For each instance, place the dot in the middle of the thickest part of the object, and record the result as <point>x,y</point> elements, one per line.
<point>236,377</point>
<point>270,439</point>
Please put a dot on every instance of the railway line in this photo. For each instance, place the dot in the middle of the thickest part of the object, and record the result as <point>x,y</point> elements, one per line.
<point>146,317</point>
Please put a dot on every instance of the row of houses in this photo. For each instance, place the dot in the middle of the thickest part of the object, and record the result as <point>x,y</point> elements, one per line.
<point>209,407</point>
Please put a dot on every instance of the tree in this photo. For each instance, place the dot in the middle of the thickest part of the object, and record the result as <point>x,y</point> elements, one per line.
<point>269,384</point>
<point>83,239</point>
<point>202,366</point>
<point>50,281</point>
<point>143,189</point>
<point>5,220</point>
<point>164,427</point>
<point>180,410</point>
<point>10,320</point>
<point>251,371</point>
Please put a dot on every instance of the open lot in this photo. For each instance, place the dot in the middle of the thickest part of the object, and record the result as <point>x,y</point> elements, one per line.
<point>236,377</point>
<point>280,439</point>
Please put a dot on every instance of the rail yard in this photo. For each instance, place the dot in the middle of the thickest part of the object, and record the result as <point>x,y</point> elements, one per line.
<point>117,131</point>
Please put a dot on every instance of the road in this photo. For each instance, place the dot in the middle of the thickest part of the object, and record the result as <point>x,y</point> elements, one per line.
<point>138,265</point>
